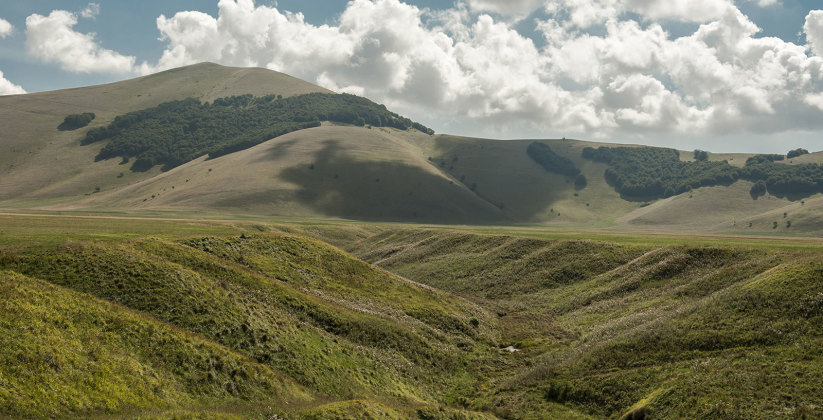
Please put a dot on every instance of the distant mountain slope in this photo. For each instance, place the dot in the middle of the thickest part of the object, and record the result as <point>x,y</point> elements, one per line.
<point>360,173</point>
<point>365,173</point>
<point>37,161</point>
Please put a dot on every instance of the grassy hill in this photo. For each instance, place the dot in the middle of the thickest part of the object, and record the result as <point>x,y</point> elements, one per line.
<point>615,330</point>
<point>232,319</point>
<point>230,324</point>
<point>39,162</point>
<point>343,171</point>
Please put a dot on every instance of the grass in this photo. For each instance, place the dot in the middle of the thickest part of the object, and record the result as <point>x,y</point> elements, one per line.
<point>66,353</point>
<point>642,329</point>
<point>336,327</point>
<point>605,327</point>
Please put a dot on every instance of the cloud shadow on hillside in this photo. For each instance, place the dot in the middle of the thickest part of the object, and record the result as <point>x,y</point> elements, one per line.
<point>335,184</point>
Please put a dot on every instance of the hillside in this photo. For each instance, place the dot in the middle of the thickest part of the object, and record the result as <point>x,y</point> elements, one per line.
<point>237,320</point>
<point>188,141</point>
<point>240,324</point>
<point>615,330</point>
<point>31,141</point>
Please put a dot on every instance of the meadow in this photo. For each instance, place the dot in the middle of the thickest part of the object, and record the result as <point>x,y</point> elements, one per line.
<point>189,317</point>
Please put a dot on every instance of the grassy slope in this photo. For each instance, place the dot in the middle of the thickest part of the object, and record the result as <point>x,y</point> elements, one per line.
<point>603,329</point>
<point>65,353</point>
<point>506,176</point>
<point>38,162</point>
<point>502,174</point>
<point>331,170</point>
<point>358,173</point>
<point>609,330</point>
<point>285,304</point>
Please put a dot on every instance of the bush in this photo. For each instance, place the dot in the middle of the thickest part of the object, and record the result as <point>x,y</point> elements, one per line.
<point>701,155</point>
<point>796,152</point>
<point>580,182</point>
<point>75,121</point>
<point>758,189</point>
<point>757,159</point>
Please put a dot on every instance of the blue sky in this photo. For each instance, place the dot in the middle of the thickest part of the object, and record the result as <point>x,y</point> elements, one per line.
<point>684,73</point>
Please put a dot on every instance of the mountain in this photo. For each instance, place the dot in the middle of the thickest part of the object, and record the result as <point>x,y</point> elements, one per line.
<point>368,164</point>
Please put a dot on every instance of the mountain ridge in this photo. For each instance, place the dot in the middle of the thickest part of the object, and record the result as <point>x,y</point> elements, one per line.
<point>344,171</point>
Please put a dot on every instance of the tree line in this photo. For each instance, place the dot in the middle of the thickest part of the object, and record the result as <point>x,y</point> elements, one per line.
<point>177,132</point>
<point>652,172</point>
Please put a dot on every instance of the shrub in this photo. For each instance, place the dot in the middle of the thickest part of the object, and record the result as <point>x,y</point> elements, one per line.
<point>580,181</point>
<point>75,121</point>
<point>796,152</point>
<point>701,155</point>
<point>758,189</point>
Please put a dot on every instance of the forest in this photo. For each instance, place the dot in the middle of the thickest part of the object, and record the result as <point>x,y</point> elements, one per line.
<point>177,132</point>
<point>651,172</point>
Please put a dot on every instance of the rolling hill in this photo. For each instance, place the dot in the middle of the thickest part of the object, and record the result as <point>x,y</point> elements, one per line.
<point>240,320</point>
<point>370,171</point>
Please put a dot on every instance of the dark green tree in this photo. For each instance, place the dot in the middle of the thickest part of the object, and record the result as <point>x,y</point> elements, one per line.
<point>796,152</point>
<point>75,121</point>
<point>758,189</point>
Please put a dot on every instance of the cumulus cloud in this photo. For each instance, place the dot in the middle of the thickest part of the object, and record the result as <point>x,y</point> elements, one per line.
<point>52,39</point>
<point>517,8</point>
<point>767,3</point>
<point>814,31</point>
<point>627,77</point>
<point>5,28</point>
<point>91,11</point>
<point>9,88</point>
<point>631,78</point>
<point>587,13</point>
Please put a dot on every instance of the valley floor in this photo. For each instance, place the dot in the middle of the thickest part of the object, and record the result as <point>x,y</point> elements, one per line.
<point>118,316</point>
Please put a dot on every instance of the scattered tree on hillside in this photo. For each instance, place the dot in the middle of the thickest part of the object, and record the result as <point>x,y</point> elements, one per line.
<point>757,159</point>
<point>701,155</point>
<point>758,189</point>
<point>75,121</point>
<point>796,152</point>
<point>580,181</point>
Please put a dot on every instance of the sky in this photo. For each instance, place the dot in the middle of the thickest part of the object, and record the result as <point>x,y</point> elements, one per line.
<point>719,75</point>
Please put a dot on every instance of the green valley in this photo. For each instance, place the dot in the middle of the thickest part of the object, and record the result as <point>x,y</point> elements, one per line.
<point>250,319</point>
<point>217,242</point>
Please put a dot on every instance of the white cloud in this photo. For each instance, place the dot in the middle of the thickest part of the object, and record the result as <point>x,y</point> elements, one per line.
<point>52,39</point>
<point>631,79</point>
<point>5,28</point>
<point>587,13</point>
<point>767,3</point>
<point>9,88</point>
<point>91,11</point>
<point>683,10</point>
<point>627,78</point>
<point>814,31</point>
<point>517,8</point>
